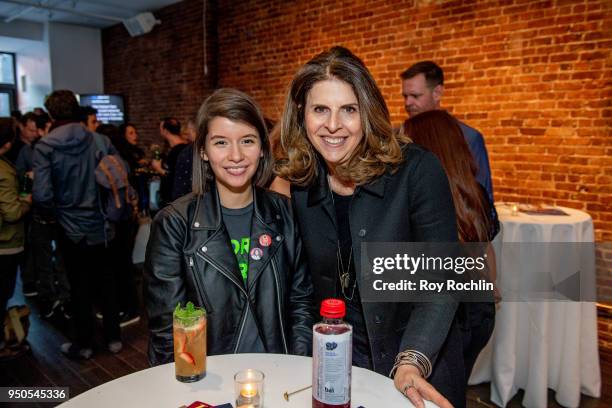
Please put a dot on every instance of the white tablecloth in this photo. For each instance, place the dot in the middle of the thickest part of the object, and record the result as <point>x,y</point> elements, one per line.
<point>538,345</point>
<point>157,387</point>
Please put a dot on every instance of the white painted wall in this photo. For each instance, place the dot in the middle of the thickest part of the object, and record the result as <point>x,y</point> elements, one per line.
<point>76,58</point>
<point>33,69</point>
<point>53,56</point>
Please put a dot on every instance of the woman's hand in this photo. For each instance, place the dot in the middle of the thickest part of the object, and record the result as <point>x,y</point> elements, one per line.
<point>409,382</point>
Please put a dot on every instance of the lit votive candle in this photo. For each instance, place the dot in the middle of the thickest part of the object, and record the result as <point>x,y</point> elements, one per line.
<point>249,389</point>
<point>515,210</point>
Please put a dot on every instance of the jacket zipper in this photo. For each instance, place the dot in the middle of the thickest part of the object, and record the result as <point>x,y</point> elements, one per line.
<point>280,314</point>
<point>201,291</point>
<point>245,313</point>
<point>244,316</point>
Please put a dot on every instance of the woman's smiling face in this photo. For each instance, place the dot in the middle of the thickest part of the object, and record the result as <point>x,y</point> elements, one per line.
<point>333,120</point>
<point>233,150</point>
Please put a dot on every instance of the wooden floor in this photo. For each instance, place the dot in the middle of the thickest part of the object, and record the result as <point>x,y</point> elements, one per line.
<point>46,366</point>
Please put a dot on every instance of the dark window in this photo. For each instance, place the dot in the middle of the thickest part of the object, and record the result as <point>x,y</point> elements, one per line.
<point>8,83</point>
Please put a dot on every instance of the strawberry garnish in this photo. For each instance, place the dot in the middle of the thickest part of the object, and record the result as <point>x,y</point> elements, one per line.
<point>187,357</point>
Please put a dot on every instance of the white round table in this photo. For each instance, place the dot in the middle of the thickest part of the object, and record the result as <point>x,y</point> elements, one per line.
<point>157,387</point>
<point>540,344</point>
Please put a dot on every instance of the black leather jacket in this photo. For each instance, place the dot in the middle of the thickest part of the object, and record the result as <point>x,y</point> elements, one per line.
<point>190,258</point>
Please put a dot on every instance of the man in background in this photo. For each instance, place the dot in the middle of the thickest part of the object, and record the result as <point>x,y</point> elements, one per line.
<point>422,89</point>
<point>89,118</point>
<point>26,136</point>
<point>170,131</point>
<point>65,189</point>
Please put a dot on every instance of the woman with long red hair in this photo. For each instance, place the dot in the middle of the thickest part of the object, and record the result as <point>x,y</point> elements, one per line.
<point>438,131</point>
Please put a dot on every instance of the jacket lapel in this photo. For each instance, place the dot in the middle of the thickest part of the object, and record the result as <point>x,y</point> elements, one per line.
<point>265,236</point>
<point>216,248</point>
<point>320,194</point>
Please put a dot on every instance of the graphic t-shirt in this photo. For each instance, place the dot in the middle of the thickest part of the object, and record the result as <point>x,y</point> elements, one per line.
<point>238,224</point>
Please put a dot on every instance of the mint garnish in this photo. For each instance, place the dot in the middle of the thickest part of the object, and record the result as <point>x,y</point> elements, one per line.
<point>189,313</point>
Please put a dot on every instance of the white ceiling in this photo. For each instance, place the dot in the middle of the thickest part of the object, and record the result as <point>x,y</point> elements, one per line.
<point>91,11</point>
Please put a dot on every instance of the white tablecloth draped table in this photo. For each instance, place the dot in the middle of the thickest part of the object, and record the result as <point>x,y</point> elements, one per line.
<point>157,387</point>
<point>538,345</point>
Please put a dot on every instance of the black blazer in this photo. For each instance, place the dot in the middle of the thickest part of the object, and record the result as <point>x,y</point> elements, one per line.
<point>414,204</point>
<point>190,258</point>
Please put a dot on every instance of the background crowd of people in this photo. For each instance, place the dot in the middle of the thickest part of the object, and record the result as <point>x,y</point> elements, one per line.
<point>69,220</point>
<point>48,238</point>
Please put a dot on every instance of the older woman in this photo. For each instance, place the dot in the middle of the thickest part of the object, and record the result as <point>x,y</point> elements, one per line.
<point>353,182</point>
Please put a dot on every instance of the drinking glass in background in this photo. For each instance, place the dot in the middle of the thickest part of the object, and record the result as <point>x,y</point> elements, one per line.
<point>189,333</point>
<point>155,150</point>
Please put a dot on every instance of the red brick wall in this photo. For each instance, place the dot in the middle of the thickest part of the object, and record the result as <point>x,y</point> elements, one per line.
<point>533,76</point>
<point>162,73</point>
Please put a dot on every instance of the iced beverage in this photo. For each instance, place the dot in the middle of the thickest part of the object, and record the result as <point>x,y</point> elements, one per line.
<point>189,331</point>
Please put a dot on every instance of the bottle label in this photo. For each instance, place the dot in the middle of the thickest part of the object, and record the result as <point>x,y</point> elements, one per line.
<point>331,375</point>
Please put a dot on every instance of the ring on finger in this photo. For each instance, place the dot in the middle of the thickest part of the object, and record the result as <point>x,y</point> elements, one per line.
<point>407,387</point>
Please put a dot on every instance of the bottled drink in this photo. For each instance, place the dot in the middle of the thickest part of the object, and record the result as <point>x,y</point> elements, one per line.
<point>26,185</point>
<point>332,357</point>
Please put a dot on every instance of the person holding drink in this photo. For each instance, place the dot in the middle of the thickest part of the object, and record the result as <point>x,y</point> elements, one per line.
<point>354,181</point>
<point>230,246</point>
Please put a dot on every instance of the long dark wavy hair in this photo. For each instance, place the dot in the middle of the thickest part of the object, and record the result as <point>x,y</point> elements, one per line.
<point>438,131</point>
<point>239,107</point>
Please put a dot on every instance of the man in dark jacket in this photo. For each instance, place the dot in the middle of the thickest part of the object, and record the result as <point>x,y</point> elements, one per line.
<point>422,89</point>
<point>65,188</point>
<point>170,131</point>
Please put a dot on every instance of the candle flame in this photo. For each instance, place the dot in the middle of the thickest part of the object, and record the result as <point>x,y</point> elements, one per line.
<point>248,390</point>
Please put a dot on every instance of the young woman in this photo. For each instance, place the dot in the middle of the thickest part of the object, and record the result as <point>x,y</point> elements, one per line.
<point>354,182</point>
<point>230,246</point>
<point>439,132</point>
<point>127,145</point>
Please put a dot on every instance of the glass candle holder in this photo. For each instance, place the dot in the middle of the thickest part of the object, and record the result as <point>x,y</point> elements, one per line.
<point>515,210</point>
<point>249,388</point>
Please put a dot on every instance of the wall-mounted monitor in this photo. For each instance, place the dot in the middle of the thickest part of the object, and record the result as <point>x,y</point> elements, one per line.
<point>111,108</point>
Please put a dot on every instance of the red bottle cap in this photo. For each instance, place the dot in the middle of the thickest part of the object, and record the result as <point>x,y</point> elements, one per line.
<point>333,308</point>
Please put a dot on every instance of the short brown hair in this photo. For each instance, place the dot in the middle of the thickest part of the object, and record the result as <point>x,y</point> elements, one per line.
<point>434,75</point>
<point>62,105</point>
<point>172,125</point>
<point>239,107</point>
<point>379,150</point>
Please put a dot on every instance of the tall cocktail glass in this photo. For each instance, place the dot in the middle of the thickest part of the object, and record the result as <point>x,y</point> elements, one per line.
<point>189,331</point>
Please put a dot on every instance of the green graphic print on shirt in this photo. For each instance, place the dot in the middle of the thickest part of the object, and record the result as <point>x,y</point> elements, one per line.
<point>241,250</point>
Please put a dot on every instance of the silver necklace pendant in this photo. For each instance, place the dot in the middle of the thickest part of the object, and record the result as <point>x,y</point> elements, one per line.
<point>343,273</point>
<point>345,280</point>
